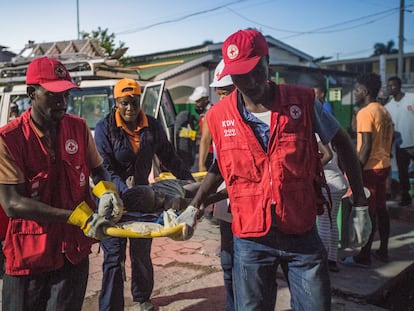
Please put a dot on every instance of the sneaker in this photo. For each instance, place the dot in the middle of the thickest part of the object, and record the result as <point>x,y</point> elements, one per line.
<point>145,306</point>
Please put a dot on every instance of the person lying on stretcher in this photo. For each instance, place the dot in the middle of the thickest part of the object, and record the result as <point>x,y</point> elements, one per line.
<point>166,200</point>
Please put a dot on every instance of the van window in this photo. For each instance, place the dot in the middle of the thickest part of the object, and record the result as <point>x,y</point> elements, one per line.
<point>165,110</point>
<point>18,104</point>
<point>91,103</point>
<point>168,109</point>
<point>150,102</point>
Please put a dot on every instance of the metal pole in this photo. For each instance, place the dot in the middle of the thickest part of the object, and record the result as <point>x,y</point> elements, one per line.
<point>401,41</point>
<point>77,15</point>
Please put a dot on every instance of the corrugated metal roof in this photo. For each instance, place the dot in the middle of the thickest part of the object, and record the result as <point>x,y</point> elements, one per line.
<point>73,49</point>
<point>159,69</point>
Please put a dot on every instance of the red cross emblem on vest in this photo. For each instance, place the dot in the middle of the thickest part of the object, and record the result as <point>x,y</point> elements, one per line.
<point>295,112</point>
<point>71,146</point>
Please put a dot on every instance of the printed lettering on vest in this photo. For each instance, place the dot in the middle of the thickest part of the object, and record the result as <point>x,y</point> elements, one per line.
<point>229,129</point>
<point>227,123</point>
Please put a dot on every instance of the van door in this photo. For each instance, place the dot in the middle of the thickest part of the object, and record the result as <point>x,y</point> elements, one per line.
<point>157,102</point>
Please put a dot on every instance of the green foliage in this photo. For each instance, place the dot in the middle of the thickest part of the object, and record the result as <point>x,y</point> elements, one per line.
<point>381,48</point>
<point>106,39</point>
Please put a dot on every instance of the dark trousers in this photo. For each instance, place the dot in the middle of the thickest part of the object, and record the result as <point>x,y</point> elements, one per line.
<point>62,290</point>
<point>403,157</point>
<point>226,257</point>
<point>142,272</point>
<point>376,180</point>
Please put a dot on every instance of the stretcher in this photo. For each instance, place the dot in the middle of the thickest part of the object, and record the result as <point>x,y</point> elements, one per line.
<point>142,227</point>
<point>127,231</point>
<point>169,227</point>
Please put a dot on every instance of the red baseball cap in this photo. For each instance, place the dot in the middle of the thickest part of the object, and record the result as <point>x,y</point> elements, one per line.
<point>242,51</point>
<point>50,74</point>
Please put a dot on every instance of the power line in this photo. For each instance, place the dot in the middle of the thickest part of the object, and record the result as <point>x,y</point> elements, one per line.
<point>322,29</point>
<point>375,17</point>
<point>260,24</point>
<point>178,19</point>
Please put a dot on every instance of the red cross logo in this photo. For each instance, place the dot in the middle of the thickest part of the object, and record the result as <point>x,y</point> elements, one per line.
<point>60,71</point>
<point>232,51</point>
<point>71,146</point>
<point>295,112</point>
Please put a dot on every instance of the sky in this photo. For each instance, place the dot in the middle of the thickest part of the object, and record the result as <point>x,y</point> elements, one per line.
<point>331,28</point>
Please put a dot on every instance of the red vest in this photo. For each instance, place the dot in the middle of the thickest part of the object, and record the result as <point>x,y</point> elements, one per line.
<point>283,178</point>
<point>30,246</point>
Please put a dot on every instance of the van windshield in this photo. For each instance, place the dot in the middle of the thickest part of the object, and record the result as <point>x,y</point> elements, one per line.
<point>91,103</point>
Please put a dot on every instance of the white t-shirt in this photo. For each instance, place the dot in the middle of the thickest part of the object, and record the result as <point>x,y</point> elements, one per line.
<point>402,114</point>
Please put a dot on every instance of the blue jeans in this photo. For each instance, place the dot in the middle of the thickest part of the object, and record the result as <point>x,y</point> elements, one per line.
<point>111,296</point>
<point>303,258</point>
<point>226,257</point>
<point>62,289</point>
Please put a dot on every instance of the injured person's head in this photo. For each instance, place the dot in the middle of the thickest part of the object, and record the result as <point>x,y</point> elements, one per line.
<point>144,199</point>
<point>155,198</point>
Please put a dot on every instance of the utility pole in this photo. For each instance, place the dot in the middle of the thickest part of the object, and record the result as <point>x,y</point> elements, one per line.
<point>77,17</point>
<point>401,41</point>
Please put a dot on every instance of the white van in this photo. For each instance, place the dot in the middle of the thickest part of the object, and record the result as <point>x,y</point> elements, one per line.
<point>95,99</point>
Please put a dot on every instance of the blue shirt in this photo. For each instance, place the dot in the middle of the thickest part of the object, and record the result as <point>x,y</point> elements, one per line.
<point>328,107</point>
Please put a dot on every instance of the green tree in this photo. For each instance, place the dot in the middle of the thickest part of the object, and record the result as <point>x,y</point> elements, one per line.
<point>107,41</point>
<point>381,48</point>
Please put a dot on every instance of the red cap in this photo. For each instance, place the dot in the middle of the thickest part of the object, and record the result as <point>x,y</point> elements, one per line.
<point>242,51</point>
<point>50,74</point>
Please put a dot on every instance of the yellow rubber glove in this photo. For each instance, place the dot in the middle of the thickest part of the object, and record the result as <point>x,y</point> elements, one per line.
<point>110,204</point>
<point>92,225</point>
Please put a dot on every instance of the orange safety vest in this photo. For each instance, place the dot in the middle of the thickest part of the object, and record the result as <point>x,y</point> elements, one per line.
<point>285,177</point>
<point>30,246</point>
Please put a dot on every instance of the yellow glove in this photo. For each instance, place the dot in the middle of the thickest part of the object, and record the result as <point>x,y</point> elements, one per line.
<point>92,225</point>
<point>110,204</point>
